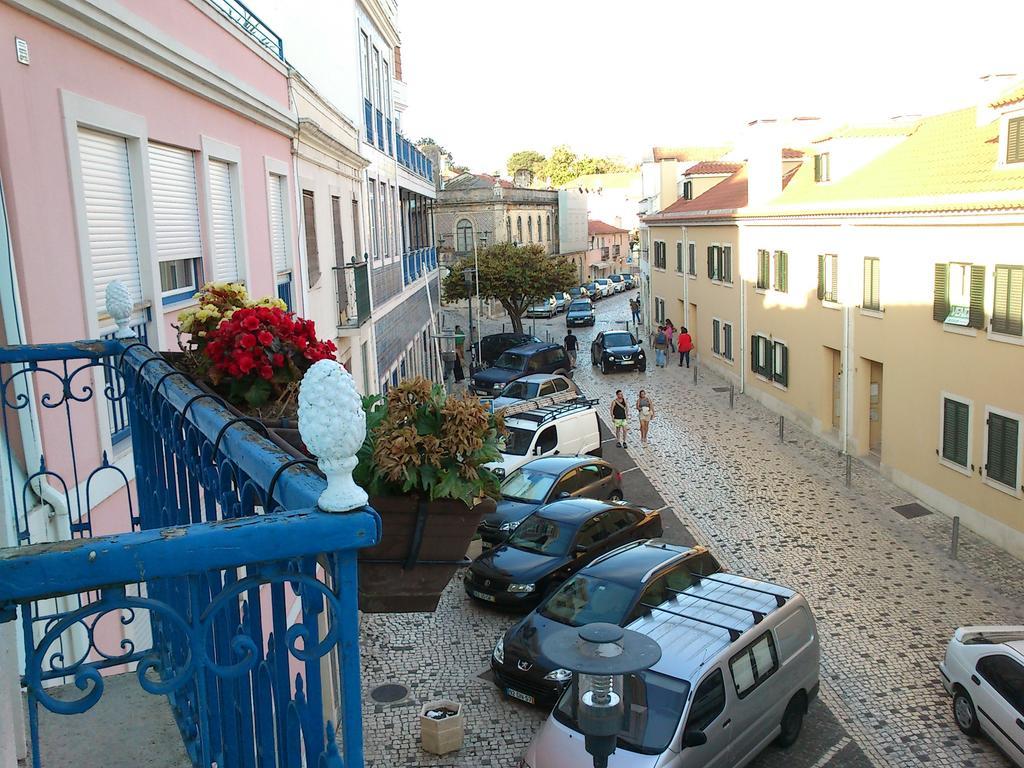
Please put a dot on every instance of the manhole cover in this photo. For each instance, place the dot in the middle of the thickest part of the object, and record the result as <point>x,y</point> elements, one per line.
<point>910,511</point>
<point>386,694</point>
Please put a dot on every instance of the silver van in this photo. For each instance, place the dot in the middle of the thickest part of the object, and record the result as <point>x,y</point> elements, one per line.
<point>738,669</point>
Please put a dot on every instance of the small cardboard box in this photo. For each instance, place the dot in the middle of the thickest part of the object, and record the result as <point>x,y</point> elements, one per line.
<point>442,736</point>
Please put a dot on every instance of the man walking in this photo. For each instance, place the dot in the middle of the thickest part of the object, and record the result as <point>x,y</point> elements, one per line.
<point>571,345</point>
<point>660,345</point>
<point>634,307</point>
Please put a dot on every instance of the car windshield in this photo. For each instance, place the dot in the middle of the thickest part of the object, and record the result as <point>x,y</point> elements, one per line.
<point>516,442</point>
<point>521,390</point>
<point>511,362</point>
<point>591,286</point>
<point>574,292</point>
<point>619,340</point>
<point>527,485</point>
<point>580,306</point>
<point>656,707</point>
<point>585,599</point>
<point>539,534</point>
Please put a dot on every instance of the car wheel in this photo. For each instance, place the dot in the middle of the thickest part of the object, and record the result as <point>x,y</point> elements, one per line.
<point>642,367</point>
<point>616,496</point>
<point>964,713</point>
<point>792,721</point>
<point>604,367</point>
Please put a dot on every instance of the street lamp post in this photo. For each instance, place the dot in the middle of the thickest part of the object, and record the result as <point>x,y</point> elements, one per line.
<point>601,654</point>
<point>476,266</point>
<point>468,276</point>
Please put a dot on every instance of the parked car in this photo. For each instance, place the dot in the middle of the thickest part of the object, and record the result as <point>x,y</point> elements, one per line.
<point>512,364</point>
<point>536,385</point>
<point>594,291</point>
<point>630,281</point>
<point>617,349</point>
<point>579,292</point>
<point>984,673</point>
<point>545,308</point>
<point>605,286</point>
<point>738,669</point>
<point>490,347</point>
<point>563,429</point>
<point>618,283</point>
<point>611,589</point>
<point>544,480</point>
<point>562,300</point>
<point>552,544</point>
<point>580,312</point>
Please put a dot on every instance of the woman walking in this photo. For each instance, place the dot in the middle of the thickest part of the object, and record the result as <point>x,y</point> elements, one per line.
<point>619,418</point>
<point>670,332</point>
<point>684,343</point>
<point>645,408</point>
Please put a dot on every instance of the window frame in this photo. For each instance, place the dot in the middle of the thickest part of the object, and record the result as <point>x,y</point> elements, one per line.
<point>1006,335</point>
<point>1004,155</point>
<point>728,347</point>
<point>213,150</point>
<point>758,678</point>
<point>763,270</point>
<point>823,167</point>
<point>195,264</point>
<point>274,167</point>
<point>460,240</point>
<point>868,289</point>
<point>782,286</point>
<point>999,485</point>
<point>966,469</point>
<point>717,671</point>
<point>691,259</point>
<point>716,332</point>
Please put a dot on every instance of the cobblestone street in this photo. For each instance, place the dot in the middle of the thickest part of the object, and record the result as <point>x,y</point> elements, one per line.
<point>885,591</point>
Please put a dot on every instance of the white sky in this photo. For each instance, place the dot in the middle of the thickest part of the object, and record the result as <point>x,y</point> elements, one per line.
<point>619,76</point>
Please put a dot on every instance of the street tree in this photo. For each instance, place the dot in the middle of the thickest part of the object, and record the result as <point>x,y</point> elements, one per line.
<point>516,276</point>
<point>526,158</point>
<point>561,166</point>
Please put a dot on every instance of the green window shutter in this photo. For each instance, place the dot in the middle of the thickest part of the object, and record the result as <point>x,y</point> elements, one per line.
<point>1008,300</point>
<point>977,319</point>
<point>1015,140</point>
<point>821,276</point>
<point>955,431</point>
<point>940,300</point>
<point>1015,302</point>
<point>866,301</point>
<point>754,361</point>
<point>711,261</point>
<point>780,371</point>
<point>834,295</point>
<point>782,267</point>
<point>679,257</point>
<point>1002,449</point>
<point>769,358</point>
<point>727,263</point>
<point>876,283</point>
<point>716,328</point>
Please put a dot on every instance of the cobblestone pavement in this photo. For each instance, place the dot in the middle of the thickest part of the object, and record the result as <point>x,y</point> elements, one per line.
<point>884,590</point>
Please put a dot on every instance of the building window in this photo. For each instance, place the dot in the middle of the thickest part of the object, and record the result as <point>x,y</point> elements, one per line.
<point>529,228</point>
<point>372,187</point>
<point>716,333</point>
<point>720,263</point>
<point>548,238</point>
<point>679,257</point>
<point>222,198</point>
<point>519,229</point>
<point>822,167</point>
<point>763,268</point>
<point>727,341</point>
<point>540,232</point>
<point>713,263</point>
<point>386,86</point>
<point>872,296</point>
<point>721,338</point>
<point>309,225</point>
<point>278,239</point>
<point>769,359</point>
<point>660,258</point>
<point>1015,140</point>
<point>508,229</point>
<point>1002,442</point>
<point>959,295</point>
<point>364,49</point>
<point>828,277</point>
<point>1008,300</point>
<point>172,175</point>
<point>385,225</point>
<point>692,268</point>
<point>781,271</point>
<point>463,236</point>
<point>956,434</point>
<point>659,310</point>
<point>687,190</point>
<point>376,98</point>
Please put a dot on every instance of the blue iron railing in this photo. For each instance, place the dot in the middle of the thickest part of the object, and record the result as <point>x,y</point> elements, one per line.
<point>412,159</point>
<point>418,262</point>
<point>117,408</point>
<point>227,590</point>
<point>252,24</point>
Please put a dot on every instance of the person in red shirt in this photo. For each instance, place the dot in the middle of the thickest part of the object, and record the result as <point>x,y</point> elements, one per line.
<point>684,344</point>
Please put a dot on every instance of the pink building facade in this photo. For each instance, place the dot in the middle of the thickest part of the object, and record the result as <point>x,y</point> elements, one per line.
<point>608,250</point>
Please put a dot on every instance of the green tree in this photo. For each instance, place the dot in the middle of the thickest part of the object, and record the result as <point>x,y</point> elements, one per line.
<point>525,158</point>
<point>587,165</point>
<point>561,166</point>
<point>516,276</point>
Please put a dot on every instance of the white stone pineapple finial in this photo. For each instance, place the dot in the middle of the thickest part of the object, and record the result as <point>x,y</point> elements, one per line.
<point>119,307</point>
<point>333,425</point>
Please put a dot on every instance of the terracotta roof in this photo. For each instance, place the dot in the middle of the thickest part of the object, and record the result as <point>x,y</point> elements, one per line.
<point>690,153</point>
<point>477,181</point>
<point>948,163</point>
<point>788,153</point>
<point>1010,96</point>
<point>713,167</point>
<point>881,130</point>
<point>721,201</point>
<point>598,227</point>
<point>604,180</point>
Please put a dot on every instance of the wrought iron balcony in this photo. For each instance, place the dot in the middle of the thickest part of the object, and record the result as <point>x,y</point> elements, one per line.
<point>412,159</point>
<point>252,24</point>
<point>353,286</point>
<point>223,587</point>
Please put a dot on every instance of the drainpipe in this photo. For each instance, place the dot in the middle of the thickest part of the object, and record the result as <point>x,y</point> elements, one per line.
<point>742,360</point>
<point>849,364</point>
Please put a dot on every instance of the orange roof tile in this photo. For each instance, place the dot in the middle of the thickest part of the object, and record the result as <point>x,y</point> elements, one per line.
<point>690,153</point>
<point>1010,96</point>
<point>598,227</point>
<point>713,167</point>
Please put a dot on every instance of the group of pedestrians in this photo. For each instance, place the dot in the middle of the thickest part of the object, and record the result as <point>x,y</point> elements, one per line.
<point>620,416</point>
<point>668,339</point>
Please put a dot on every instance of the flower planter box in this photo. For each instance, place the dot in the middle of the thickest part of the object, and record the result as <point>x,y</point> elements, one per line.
<point>440,737</point>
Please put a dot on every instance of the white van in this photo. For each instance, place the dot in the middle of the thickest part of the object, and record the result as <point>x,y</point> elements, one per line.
<point>738,669</point>
<point>566,428</point>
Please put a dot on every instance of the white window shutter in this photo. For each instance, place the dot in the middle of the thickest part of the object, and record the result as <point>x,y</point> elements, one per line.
<point>222,210</point>
<point>172,175</point>
<point>278,246</point>
<point>110,215</point>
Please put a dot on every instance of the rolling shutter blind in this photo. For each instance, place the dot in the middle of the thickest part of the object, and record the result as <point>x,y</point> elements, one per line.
<point>110,215</point>
<point>222,215</point>
<point>278,245</point>
<point>1002,449</point>
<point>977,318</point>
<point>172,175</point>
<point>309,224</point>
<point>940,302</point>
<point>955,417</point>
<point>1008,300</point>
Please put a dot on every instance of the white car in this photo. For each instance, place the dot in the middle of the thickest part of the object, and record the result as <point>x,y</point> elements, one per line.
<point>605,285</point>
<point>984,673</point>
<point>545,308</point>
<point>535,385</point>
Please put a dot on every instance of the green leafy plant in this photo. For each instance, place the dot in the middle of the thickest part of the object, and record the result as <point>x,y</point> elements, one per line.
<point>422,441</point>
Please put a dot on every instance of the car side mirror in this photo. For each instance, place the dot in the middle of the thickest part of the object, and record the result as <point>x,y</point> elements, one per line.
<point>580,549</point>
<point>564,495</point>
<point>536,450</point>
<point>694,738</point>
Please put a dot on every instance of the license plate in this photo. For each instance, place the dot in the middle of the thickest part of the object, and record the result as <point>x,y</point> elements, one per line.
<point>483,596</point>
<point>521,696</point>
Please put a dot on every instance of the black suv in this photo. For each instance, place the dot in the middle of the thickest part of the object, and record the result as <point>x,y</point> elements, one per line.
<point>616,588</point>
<point>617,349</point>
<point>580,312</point>
<point>491,347</point>
<point>537,357</point>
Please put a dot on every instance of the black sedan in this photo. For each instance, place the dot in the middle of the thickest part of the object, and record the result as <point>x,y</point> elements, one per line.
<point>617,589</point>
<point>490,347</point>
<point>580,312</point>
<point>551,545</point>
<point>617,349</point>
<point>544,480</point>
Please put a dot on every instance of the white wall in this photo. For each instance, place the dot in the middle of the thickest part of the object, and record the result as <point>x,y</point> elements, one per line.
<point>572,221</point>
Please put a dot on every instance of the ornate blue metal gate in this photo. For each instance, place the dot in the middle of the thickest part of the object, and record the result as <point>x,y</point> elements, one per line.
<point>219,582</point>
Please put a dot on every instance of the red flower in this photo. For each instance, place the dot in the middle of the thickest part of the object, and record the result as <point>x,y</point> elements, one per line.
<point>267,372</point>
<point>266,338</point>
<point>246,362</point>
<point>250,322</point>
<point>247,341</point>
<point>278,359</point>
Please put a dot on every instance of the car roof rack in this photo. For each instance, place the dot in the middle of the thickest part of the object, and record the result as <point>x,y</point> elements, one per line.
<point>734,633</point>
<point>758,615</point>
<point>551,412</point>
<point>780,600</point>
<point>538,402</point>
